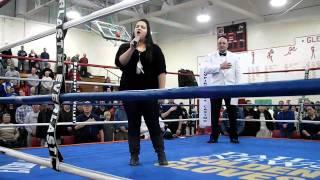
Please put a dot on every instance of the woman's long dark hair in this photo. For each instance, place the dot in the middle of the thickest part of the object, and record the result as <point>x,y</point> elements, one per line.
<point>148,40</point>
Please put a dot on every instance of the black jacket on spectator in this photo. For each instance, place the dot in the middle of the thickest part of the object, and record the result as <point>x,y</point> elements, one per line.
<point>22,53</point>
<point>65,117</point>
<point>44,55</point>
<point>312,129</point>
<point>44,117</point>
<point>248,112</point>
<point>251,128</point>
<point>88,133</point>
<point>7,52</point>
<point>173,126</point>
<point>4,59</point>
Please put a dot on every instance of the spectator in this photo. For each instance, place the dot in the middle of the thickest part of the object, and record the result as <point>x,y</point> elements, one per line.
<point>34,84</point>
<point>108,129</point>
<point>311,130</point>
<point>10,63</point>
<point>66,116</point>
<point>278,109</point>
<point>46,86</point>
<point>225,124</point>
<point>24,87</point>
<point>257,128</point>
<point>7,85</point>
<point>33,91</point>
<point>15,74</point>
<point>187,126</point>
<point>32,54</point>
<point>21,114</point>
<point>38,70</point>
<point>47,68</point>
<point>12,92</point>
<point>8,135</point>
<point>107,88</point>
<point>11,109</point>
<point>32,117</point>
<point>44,117</point>
<point>70,75</point>
<point>99,111</point>
<point>22,65</point>
<point>79,109</point>
<point>83,69</point>
<point>121,130</point>
<point>265,128</point>
<point>172,112</point>
<point>286,129</point>
<point>75,58</point>
<point>68,65</point>
<point>144,131</point>
<point>44,55</point>
<point>88,133</point>
<point>7,52</point>
<point>248,111</point>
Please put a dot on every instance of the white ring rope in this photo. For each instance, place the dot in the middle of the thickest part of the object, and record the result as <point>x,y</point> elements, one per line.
<point>167,120</point>
<point>93,16</point>
<point>64,167</point>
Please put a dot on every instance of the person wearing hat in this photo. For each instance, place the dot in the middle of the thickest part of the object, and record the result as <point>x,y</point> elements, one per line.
<point>88,133</point>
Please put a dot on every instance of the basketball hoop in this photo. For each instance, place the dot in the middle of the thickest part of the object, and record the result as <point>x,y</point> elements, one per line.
<point>112,31</point>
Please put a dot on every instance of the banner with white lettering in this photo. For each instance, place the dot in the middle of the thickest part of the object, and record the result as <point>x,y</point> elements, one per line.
<point>305,52</point>
<point>204,103</point>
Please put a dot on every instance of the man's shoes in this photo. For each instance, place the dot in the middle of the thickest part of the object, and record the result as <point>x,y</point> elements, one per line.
<point>162,159</point>
<point>134,161</point>
<point>234,140</point>
<point>211,141</point>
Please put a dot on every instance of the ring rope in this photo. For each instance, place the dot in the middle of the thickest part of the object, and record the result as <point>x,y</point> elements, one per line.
<point>63,166</point>
<point>72,23</point>
<point>266,89</point>
<point>167,120</point>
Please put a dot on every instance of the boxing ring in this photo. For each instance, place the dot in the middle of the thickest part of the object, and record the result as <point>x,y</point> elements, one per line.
<point>189,158</point>
<point>297,158</point>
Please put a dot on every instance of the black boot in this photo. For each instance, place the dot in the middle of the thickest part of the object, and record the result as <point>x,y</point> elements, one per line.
<point>234,138</point>
<point>157,142</point>
<point>134,147</point>
<point>213,138</point>
<point>134,160</point>
<point>162,159</point>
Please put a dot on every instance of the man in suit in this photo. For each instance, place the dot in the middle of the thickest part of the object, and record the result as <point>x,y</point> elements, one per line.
<point>223,69</point>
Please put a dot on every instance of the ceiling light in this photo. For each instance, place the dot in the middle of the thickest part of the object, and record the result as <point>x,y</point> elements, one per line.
<point>278,3</point>
<point>73,14</point>
<point>203,18</point>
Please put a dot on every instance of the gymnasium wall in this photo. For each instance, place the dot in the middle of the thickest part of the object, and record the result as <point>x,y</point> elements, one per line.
<point>262,37</point>
<point>181,53</point>
<point>99,51</point>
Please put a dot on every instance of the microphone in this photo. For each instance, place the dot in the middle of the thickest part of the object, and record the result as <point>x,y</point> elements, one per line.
<point>136,40</point>
<point>135,43</point>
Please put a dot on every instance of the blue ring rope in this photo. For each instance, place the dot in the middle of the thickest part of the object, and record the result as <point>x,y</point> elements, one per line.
<point>266,89</point>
